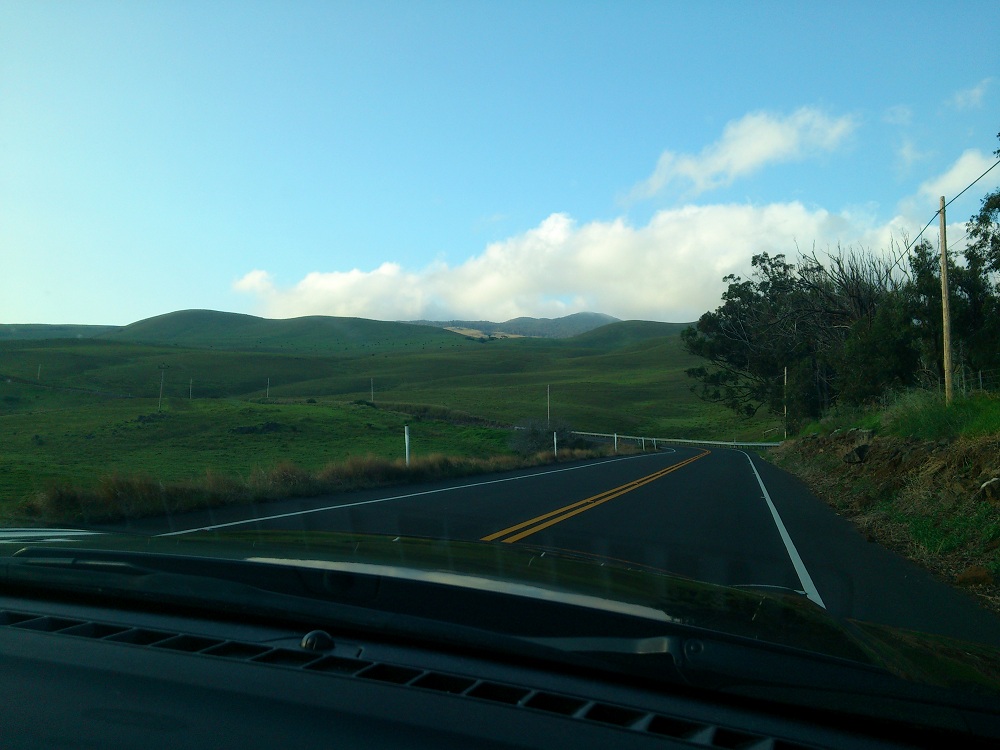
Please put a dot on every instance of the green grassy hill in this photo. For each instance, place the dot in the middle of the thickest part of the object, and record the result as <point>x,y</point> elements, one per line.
<point>555,328</point>
<point>77,409</point>
<point>625,377</point>
<point>313,334</point>
<point>627,332</point>
<point>35,331</point>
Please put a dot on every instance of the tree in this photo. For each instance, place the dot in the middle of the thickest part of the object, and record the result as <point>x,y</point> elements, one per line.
<point>984,229</point>
<point>765,324</point>
<point>850,328</point>
<point>825,323</point>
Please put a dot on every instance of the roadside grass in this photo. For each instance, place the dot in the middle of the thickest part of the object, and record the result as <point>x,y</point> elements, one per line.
<point>130,438</point>
<point>924,414</point>
<point>118,497</point>
<point>111,458</point>
<point>918,489</point>
<point>917,414</point>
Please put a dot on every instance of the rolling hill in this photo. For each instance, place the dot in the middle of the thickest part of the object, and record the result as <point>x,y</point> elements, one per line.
<point>40,331</point>
<point>210,329</point>
<point>551,328</point>
<point>317,333</point>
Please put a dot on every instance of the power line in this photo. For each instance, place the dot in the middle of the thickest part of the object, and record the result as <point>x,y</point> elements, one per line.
<point>959,241</point>
<point>914,241</point>
<point>906,250</point>
<point>972,183</point>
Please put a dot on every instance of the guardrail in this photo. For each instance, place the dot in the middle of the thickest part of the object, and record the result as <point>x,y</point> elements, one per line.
<point>678,441</point>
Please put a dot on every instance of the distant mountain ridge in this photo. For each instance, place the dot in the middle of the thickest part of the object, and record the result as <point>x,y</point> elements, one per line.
<point>236,331</point>
<point>40,331</point>
<point>549,328</point>
<point>325,335</point>
<point>226,330</point>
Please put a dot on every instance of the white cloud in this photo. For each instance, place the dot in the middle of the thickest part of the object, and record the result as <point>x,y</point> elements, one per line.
<point>670,269</point>
<point>908,153</point>
<point>387,293</point>
<point>968,167</point>
<point>899,114</point>
<point>255,282</point>
<point>973,97</point>
<point>747,145</point>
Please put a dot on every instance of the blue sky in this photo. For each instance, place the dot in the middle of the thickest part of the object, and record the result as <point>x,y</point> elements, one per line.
<point>476,160</point>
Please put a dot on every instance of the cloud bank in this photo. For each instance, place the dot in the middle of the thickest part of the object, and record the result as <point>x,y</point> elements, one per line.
<point>671,269</point>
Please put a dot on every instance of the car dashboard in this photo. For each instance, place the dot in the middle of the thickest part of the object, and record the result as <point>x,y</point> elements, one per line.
<point>88,674</point>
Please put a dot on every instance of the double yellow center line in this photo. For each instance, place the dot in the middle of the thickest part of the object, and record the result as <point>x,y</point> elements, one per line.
<point>527,528</point>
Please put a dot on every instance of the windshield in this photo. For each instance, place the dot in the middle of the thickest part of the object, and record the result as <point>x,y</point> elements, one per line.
<point>585,307</point>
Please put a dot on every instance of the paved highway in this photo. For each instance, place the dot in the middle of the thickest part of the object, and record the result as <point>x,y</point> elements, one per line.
<point>721,516</point>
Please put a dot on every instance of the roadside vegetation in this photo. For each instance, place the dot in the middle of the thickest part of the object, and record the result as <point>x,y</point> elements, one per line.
<point>84,459</point>
<point>917,476</point>
<point>846,330</point>
<point>116,497</point>
<point>851,346</point>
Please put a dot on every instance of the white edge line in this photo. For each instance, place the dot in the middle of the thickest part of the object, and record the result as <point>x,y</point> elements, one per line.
<point>400,497</point>
<point>804,578</point>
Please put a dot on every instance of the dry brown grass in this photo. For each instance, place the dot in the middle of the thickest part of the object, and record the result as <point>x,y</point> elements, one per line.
<point>118,497</point>
<point>917,497</point>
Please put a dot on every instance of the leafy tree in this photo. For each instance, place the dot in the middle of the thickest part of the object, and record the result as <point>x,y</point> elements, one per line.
<point>984,230</point>
<point>824,323</point>
<point>850,328</point>
<point>760,328</point>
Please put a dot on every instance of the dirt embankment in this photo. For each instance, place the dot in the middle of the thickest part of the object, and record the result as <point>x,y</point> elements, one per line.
<point>936,502</point>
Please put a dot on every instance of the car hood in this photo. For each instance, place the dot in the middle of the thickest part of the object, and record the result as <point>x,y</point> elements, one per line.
<point>531,574</point>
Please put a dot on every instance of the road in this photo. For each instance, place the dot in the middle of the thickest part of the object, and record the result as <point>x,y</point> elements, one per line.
<point>721,516</point>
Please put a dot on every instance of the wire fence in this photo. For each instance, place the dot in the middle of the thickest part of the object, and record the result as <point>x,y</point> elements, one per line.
<point>966,381</point>
<point>653,443</point>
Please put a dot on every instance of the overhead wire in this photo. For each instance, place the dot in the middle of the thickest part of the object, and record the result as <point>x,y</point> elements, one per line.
<point>937,213</point>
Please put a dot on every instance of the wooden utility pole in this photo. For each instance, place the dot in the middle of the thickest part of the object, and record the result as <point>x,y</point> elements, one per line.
<point>945,310</point>
<point>159,404</point>
<point>784,398</point>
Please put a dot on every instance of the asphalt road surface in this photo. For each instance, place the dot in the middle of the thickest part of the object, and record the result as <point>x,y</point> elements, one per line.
<point>722,516</point>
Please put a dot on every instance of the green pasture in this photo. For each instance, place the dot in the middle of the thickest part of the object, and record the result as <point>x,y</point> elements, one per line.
<point>76,410</point>
<point>189,439</point>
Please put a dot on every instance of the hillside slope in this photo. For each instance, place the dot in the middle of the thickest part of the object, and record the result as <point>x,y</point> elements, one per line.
<point>551,328</point>
<point>41,331</point>
<point>628,332</point>
<point>235,331</point>
<point>934,501</point>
